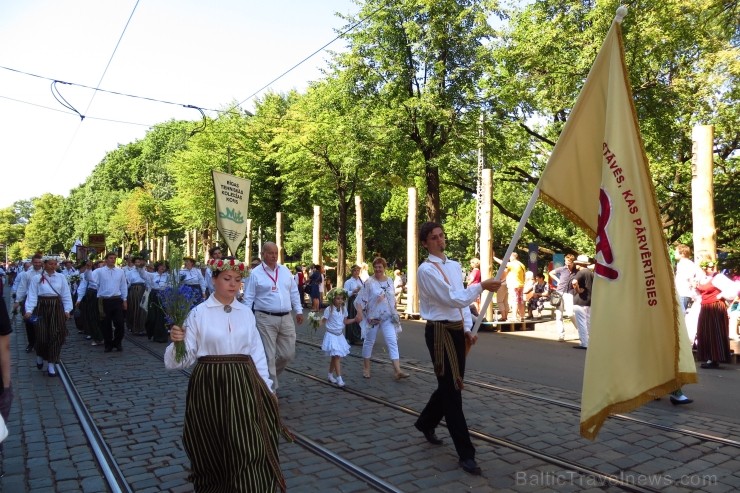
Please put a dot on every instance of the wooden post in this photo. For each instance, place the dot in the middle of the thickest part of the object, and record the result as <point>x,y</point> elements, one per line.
<point>412,254</point>
<point>248,243</point>
<point>702,190</point>
<point>316,256</point>
<point>279,236</point>
<point>359,231</point>
<point>486,231</point>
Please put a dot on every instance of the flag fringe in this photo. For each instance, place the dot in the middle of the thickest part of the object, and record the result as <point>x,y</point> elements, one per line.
<point>565,211</point>
<point>591,426</point>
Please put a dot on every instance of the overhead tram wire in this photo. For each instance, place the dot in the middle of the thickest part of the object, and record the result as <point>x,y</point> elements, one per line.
<point>110,59</point>
<point>340,35</point>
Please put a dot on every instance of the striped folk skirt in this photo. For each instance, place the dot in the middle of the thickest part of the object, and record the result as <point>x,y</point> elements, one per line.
<point>51,330</point>
<point>713,333</point>
<point>232,426</point>
<point>135,314</point>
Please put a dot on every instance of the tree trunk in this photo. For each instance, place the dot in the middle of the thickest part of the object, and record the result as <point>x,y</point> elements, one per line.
<point>412,254</point>
<point>432,195</point>
<point>342,241</point>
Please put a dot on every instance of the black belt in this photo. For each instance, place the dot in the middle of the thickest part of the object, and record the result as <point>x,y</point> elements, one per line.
<point>137,284</point>
<point>110,297</point>
<point>274,314</point>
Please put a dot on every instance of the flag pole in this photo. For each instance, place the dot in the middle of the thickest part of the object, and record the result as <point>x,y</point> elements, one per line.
<point>512,244</point>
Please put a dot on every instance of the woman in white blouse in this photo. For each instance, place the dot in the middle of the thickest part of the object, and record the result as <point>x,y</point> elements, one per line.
<point>377,303</point>
<point>49,292</point>
<point>228,450</point>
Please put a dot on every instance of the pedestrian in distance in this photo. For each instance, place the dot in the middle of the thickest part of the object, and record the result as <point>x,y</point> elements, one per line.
<point>445,304</point>
<point>232,423</point>
<point>49,292</point>
<point>113,301</point>
<point>335,345</point>
<point>713,333</point>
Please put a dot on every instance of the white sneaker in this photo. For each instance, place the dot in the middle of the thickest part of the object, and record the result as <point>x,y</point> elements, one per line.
<point>340,382</point>
<point>331,378</point>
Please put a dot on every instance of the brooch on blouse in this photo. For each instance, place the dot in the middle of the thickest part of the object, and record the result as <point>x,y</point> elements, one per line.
<point>227,308</point>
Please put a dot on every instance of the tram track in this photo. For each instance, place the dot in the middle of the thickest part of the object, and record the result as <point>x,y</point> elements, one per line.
<point>103,456</point>
<point>370,479</point>
<point>560,403</point>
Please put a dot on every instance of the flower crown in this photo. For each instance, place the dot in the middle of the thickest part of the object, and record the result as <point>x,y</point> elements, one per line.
<point>333,293</point>
<point>707,263</point>
<point>228,264</point>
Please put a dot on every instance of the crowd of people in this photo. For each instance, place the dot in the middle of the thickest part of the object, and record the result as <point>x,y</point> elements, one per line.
<point>240,334</point>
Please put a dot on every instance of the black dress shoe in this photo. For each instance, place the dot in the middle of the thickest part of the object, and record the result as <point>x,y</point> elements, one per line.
<point>678,402</point>
<point>29,348</point>
<point>108,349</point>
<point>430,436</point>
<point>470,466</point>
<point>39,365</point>
<point>710,364</point>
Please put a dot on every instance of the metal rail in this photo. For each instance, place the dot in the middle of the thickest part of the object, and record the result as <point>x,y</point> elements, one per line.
<point>103,455</point>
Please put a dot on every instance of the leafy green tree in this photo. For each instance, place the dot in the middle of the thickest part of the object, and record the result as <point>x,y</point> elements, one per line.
<point>42,233</point>
<point>419,62</point>
<point>683,61</point>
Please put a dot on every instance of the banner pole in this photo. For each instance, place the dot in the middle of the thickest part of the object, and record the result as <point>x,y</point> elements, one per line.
<point>512,244</point>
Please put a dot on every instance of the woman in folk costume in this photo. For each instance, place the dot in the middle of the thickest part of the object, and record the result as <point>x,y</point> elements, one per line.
<point>157,281</point>
<point>232,422</point>
<point>713,331</point>
<point>193,279</point>
<point>49,292</point>
<point>376,304</point>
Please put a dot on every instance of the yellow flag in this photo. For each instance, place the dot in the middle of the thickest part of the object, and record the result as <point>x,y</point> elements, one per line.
<point>232,201</point>
<point>598,176</point>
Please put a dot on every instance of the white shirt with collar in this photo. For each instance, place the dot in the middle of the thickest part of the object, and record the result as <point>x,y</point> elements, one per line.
<point>211,331</point>
<point>136,276</point>
<point>440,300</point>
<point>24,278</point>
<point>47,284</point>
<point>192,277</point>
<point>111,282</point>
<point>351,284</point>
<point>157,281</point>
<point>272,291</point>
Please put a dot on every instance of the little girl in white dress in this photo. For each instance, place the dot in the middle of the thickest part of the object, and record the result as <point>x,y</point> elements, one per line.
<point>335,345</point>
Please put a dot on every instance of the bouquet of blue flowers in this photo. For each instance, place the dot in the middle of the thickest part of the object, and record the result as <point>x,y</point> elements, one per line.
<point>176,301</point>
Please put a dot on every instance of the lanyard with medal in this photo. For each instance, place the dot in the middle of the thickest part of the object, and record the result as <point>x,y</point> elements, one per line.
<point>273,279</point>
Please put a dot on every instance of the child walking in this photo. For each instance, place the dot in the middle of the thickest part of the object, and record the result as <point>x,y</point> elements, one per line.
<point>335,345</point>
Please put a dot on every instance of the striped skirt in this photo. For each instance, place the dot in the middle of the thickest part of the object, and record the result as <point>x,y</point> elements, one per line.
<point>232,426</point>
<point>713,333</point>
<point>51,330</point>
<point>135,314</point>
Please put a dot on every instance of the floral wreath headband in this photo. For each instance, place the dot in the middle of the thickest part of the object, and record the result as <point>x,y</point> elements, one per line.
<point>228,264</point>
<point>333,293</point>
<point>707,263</point>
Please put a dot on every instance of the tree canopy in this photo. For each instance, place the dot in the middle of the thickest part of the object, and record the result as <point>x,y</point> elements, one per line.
<point>402,107</point>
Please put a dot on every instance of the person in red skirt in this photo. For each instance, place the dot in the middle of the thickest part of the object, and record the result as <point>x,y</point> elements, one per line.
<point>713,332</point>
